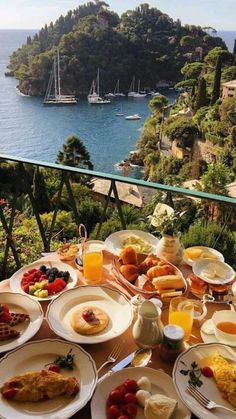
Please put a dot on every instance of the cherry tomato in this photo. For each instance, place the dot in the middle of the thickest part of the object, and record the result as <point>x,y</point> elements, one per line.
<point>113,412</point>
<point>130,410</point>
<point>122,389</point>
<point>131,386</point>
<point>130,398</point>
<point>207,372</point>
<point>115,397</point>
<point>54,368</point>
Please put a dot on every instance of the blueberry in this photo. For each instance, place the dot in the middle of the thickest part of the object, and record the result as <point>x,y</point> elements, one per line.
<point>43,269</point>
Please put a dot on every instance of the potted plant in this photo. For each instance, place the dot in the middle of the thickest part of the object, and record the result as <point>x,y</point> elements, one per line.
<point>169,246</point>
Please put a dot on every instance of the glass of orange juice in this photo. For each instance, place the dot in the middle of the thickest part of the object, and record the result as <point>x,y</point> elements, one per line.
<point>93,261</point>
<point>181,314</point>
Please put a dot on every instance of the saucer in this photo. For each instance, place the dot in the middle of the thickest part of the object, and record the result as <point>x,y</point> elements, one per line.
<point>208,334</point>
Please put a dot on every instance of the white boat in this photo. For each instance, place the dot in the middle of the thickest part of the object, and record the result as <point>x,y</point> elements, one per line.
<point>132,92</point>
<point>134,117</point>
<point>155,94</point>
<point>117,92</point>
<point>139,94</point>
<point>94,95</point>
<point>53,94</point>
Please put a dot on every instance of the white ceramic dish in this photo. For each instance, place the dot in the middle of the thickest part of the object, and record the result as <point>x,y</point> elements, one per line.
<point>161,384</point>
<point>15,280</point>
<point>201,265</point>
<point>209,389</point>
<point>34,356</point>
<point>22,304</point>
<point>214,252</point>
<point>113,302</point>
<point>208,334</point>
<point>113,243</point>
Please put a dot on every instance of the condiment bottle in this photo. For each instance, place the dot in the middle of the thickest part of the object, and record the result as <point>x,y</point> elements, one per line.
<point>172,343</point>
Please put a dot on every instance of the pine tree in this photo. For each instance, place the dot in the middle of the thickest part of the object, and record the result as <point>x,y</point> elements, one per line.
<point>234,52</point>
<point>201,98</point>
<point>216,87</point>
<point>74,153</point>
<point>40,192</point>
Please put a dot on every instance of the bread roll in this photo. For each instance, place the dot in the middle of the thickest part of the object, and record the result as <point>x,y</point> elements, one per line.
<point>128,256</point>
<point>168,281</point>
<point>156,271</point>
<point>130,272</point>
<point>148,263</point>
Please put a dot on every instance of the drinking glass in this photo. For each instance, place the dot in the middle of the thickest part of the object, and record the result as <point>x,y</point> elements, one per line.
<point>181,314</point>
<point>93,261</point>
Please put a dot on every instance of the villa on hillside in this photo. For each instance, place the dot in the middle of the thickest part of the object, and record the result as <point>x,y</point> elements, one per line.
<point>229,89</point>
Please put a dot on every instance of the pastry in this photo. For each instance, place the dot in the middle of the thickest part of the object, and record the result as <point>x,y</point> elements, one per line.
<point>6,332</point>
<point>160,271</point>
<point>89,320</point>
<point>130,272</point>
<point>128,256</point>
<point>159,406</point>
<point>148,263</point>
<point>168,282</point>
<point>38,386</point>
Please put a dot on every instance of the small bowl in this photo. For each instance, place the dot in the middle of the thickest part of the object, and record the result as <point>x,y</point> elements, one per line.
<point>224,316</point>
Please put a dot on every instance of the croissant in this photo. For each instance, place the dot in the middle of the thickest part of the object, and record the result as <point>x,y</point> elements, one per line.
<point>156,271</point>
<point>130,272</point>
<point>148,263</point>
<point>128,256</point>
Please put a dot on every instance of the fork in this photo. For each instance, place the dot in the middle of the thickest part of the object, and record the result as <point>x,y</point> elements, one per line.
<point>113,356</point>
<point>204,401</point>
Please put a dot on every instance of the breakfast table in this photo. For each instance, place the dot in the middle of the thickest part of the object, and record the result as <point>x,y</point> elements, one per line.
<point>100,352</point>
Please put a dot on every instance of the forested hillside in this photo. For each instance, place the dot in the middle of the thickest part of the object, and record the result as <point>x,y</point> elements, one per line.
<point>143,42</point>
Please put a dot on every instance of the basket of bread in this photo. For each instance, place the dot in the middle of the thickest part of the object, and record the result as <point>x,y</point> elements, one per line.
<point>68,252</point>
<point>149,275</point>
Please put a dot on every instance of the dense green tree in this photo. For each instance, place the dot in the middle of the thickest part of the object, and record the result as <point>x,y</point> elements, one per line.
<point>192,70</point>
<point>186,83</point>
<point>40,192</point>
<point>215,179</point>
<point>74,153</point>
<point>158,103</point>
<point>216,87</point>
<point>183,130</point>
<point>201,97</point>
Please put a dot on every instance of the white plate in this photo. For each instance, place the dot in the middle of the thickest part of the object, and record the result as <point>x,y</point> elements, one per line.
<point>211,337</point>
<point>115,304</point>
<point>200,266</point>
<point>15,280</point>
<point>113,243</point>
<point>190,262</point>
<point>22,304</point>
<point>161,383</point>
<point>32,357</point>
<point>209,389</point>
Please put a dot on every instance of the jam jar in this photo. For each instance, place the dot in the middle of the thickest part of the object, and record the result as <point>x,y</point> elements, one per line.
<point>172,343</point>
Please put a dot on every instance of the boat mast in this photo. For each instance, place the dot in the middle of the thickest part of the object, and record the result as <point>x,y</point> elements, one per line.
<point>133,83</point>
<point>138,86</point>
<point>55,75</point>
<point>98,82</point>
<point>118,86</point>
<point>58,73</point>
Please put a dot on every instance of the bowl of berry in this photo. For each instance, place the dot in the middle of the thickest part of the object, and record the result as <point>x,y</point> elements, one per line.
<point>44,281</point>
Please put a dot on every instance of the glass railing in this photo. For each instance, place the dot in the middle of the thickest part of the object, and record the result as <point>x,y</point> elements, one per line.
<point>42,204</point>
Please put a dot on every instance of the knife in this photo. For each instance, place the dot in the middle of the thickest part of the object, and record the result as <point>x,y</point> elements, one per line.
<point>122,364</point>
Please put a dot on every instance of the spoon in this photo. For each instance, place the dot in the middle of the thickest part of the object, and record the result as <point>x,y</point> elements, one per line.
<point>141,357</point>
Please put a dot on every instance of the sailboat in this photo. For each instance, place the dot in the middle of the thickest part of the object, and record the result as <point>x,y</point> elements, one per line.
<point>53,94</point>
<point>94,93</point>
<point>132,87</point>
<point>139,94</point>
<point>117,90</point>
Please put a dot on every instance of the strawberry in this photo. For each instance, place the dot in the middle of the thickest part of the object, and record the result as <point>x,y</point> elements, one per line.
<point>26,288</point>
<point>60,283</point>
<point>4,314</point>
<point>51,288</point>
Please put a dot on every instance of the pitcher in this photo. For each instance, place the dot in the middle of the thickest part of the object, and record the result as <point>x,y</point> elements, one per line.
<point>147,330</point>
<point>170,248</point>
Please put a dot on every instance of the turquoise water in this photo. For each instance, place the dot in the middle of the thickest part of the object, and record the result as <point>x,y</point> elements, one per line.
<point>29,129</point>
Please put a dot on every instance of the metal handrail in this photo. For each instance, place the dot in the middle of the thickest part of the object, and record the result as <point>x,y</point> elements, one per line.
<point>123,179</point>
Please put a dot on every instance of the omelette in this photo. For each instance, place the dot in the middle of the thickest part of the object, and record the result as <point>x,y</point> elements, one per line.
<point>38,386</point>
<point>225,377</point>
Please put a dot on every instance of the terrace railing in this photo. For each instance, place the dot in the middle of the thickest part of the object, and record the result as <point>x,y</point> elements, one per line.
<point>22,167</point>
